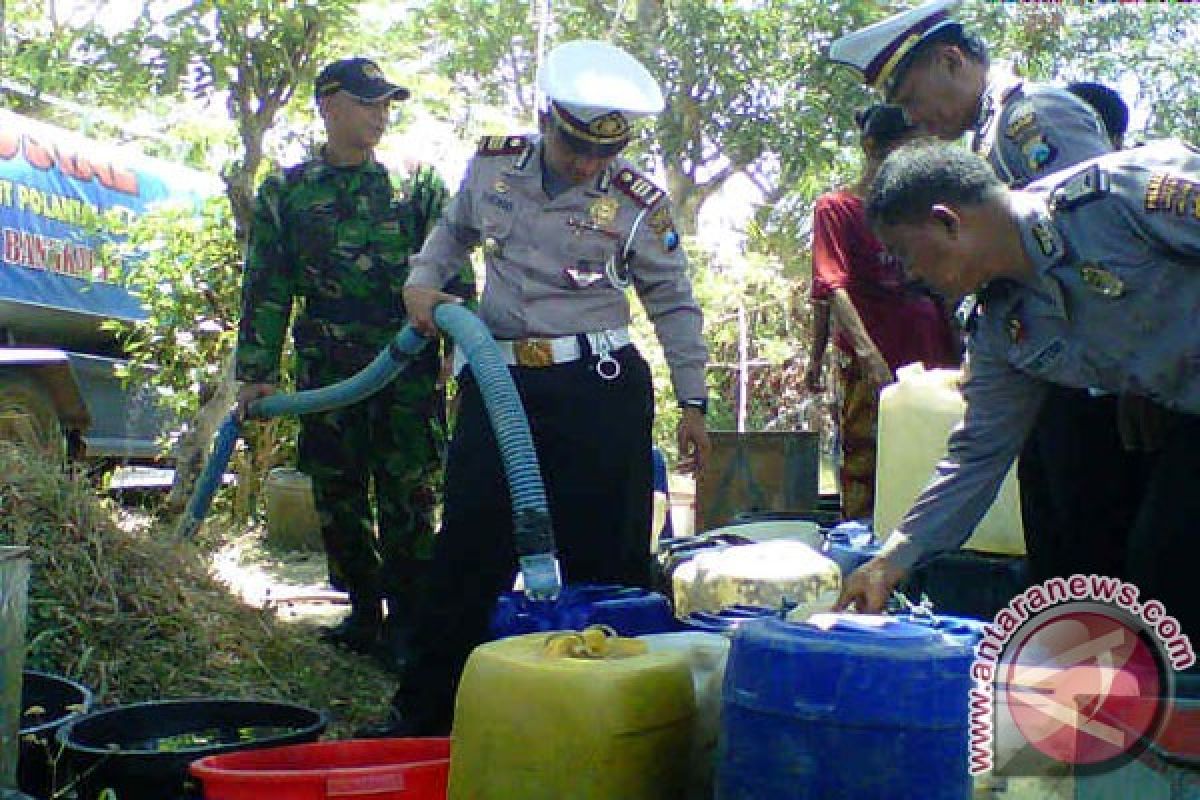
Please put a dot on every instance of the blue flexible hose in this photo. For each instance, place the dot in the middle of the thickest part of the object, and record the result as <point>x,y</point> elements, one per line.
<point>503,404</point>
<point>391,361</point>
<point>531,516</point>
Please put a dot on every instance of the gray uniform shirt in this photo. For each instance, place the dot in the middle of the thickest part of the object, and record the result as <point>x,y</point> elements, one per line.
<point>546,258</point>
<point>1026,130</point>
<point>1114,304</point>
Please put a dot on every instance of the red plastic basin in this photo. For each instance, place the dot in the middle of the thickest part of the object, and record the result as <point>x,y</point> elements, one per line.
<point>378,769</point>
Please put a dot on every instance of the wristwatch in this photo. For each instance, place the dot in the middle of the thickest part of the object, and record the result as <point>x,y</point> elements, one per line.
<point>699,403</point>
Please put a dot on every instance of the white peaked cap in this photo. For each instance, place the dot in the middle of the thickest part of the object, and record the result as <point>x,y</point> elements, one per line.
<point>600,87</point>
<point>877,50</point>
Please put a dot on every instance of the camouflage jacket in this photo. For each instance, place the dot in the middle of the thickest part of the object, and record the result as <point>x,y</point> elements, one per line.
<point>338,239</point>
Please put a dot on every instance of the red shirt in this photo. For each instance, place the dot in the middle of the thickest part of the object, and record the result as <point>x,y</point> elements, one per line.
<point>906,324</point>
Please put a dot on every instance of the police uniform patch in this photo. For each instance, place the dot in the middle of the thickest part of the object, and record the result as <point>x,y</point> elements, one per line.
<point>503,203</point>
<point>664,226</point>
<point>660,221</point>
<point>1038,152</point>
<point>1046,358</point>
<point>1173,194</point>
<point>502,145</point>
<point>639,189</point>
<point>1023,119</point>
<point>1023,129</point>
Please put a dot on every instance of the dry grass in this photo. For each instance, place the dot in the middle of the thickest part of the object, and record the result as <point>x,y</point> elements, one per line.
<point>136,615</point>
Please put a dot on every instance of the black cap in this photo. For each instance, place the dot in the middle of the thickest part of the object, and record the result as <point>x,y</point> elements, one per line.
<point>884,124</point>
<point>360,77</point>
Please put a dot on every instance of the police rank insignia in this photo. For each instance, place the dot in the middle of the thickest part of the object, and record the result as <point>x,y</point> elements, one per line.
<point>603,211</point>
<point>1173,194</point>
<point>1045,237</point>
<point>641,190</point>
<point>502,145</point>
<point>1101,280</point>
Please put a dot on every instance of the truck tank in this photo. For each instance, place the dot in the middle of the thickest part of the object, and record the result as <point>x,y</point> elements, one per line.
<point>59,363</point>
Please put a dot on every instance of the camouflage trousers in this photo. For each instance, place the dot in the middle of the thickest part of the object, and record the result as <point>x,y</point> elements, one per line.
<point>388,449</point>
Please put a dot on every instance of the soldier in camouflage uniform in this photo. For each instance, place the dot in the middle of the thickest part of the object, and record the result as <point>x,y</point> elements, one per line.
<point>334,233</point>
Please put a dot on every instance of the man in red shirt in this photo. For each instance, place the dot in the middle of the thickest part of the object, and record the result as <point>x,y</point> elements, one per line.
<point>882,320</point>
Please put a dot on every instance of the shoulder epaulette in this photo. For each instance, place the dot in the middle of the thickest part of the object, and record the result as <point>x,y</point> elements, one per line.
<point>502,145</point>
<point>1081,187</point>
<point>639,188</point>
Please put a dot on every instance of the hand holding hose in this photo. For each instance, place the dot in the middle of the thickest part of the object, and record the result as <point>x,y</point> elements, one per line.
<point>249,392</point>
<point>419,303</point>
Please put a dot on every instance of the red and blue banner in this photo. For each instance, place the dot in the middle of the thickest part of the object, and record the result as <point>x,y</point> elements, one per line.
<point>54,187</point>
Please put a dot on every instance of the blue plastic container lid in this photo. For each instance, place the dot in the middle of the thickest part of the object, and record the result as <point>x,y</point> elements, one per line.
<point>727,619</point>
<point>964,628</point>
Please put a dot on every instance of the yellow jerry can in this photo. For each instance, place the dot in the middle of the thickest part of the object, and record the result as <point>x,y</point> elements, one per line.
<point>584,715</point>
<point>916,415</point>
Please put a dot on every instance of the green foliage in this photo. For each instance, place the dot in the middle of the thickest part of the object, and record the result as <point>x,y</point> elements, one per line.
<point>184,267</point>
<point>777,319</point>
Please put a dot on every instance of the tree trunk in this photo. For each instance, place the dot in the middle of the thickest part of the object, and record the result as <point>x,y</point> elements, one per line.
<point>192,450</point>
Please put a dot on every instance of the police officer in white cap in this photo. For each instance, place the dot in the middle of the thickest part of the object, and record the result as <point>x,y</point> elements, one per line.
<point>1079,490</point>
<point>565,227</point>
<point>924,61</point>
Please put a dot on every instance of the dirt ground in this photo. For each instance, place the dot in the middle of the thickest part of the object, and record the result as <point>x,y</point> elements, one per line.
<point>293,582</point>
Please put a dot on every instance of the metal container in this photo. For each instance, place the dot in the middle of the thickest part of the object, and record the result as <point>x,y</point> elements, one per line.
<point>756,472</point>
<point>14,587</point>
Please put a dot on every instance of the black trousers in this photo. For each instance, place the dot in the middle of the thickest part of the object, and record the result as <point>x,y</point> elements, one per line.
<point>1089,506</point>
<point>592,438</point>
<point>1080,489</point>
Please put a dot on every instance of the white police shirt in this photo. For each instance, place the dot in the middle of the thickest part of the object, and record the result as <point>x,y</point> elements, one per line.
<point>1114,304</point>
<point>548,259</point>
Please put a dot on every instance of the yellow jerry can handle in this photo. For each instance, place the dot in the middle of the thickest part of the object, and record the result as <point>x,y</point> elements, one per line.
<point>593,642</point>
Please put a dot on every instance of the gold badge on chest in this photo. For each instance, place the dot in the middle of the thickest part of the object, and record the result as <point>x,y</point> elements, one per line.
<point>1101,280</point>
<point>603,211</point>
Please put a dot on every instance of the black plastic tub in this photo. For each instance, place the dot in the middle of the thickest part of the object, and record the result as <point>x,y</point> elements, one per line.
<point>61,701</point>
<point>142,751</point>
